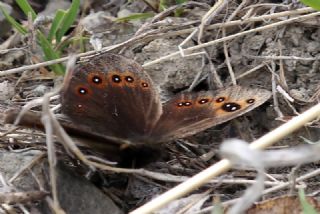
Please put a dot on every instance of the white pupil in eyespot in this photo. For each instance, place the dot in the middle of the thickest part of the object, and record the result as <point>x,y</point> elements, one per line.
<point>96,79</point>
<point>129,79</point>
<point>82,91</point>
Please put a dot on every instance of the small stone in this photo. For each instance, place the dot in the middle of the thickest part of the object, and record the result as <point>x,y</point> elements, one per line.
<point>6,90</point>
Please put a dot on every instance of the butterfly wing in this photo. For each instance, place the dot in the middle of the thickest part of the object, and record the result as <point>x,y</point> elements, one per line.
<point>109,95</point>
<point>187,113</point>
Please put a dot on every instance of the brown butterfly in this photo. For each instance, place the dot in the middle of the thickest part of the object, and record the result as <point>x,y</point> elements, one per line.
<point>109,101</point>
<point>114,98</point>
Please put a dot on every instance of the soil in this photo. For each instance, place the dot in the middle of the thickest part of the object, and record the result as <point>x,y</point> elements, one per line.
<point>284,56</point>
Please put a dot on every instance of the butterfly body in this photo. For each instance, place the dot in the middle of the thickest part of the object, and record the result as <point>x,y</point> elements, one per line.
<point>111,97</point>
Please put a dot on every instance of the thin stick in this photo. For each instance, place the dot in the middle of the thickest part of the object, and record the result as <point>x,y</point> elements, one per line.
<point>286,184</point>
<point>225,46</point>
<point>224,165</point>
<point>297,58</point>
<point>250,71</point>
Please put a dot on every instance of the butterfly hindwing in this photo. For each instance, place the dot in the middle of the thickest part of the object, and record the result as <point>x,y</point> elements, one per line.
<point>111,96</point>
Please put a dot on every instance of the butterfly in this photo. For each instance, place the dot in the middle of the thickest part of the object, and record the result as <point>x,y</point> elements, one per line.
<point>111,97</point>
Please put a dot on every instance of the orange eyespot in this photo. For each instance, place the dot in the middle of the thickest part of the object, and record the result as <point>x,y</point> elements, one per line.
<point>116,78</point>
<point>250,101</point>
<point>96,79</point>
<point>80,108</point>
<point>129,79</point>
<point>203,101</point>
<point>82,91</point>
<point>220,99</point>
<point>231,107</point>
<point>187,104</point>
<point>144,85</point>
<point>184,104</point>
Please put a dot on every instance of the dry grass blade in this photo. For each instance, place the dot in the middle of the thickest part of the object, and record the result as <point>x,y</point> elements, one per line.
<point>21,197</point>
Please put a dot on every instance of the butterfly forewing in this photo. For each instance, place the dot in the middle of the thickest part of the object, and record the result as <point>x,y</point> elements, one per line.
<point>112,96</point>
<point>183,110</point>
<point>187,114</point>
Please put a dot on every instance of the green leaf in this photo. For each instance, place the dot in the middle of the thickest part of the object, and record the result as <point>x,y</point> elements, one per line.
<point>13,22</point>
<point>26,8</point>
<point>178,12</point>
<point>81,43</point>
<point>307,208</point>
<point>181,1</point>
<point>163,5</point>
<point>135,16</point>
<point>68,19</point>
<point>56,23</point>
<point>49,53</point>
<point>75,42</point>
<point>315,4</point>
